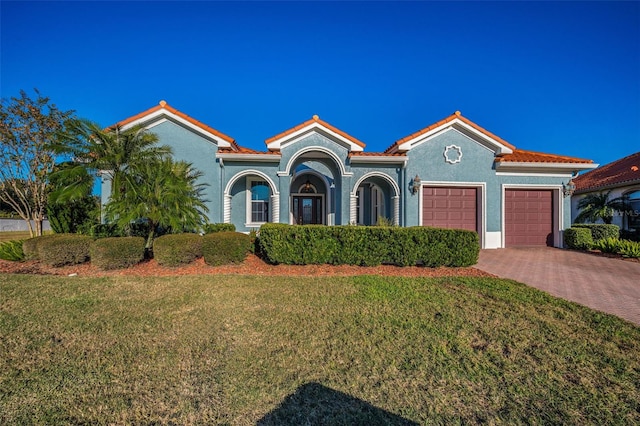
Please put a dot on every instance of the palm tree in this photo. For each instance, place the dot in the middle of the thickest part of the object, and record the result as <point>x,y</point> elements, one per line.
<point>165,193</point>
<point>599,206</point>
<point>111,152</point>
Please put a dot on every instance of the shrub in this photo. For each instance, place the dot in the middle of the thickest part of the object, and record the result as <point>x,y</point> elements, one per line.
<point>222,248</point>
<point>12,250</point>
<point>117,252</point>
<point>629,248</point>
<point>211,228</point>
<point>578,238</point>
<point>177,249</point>
<point>607,245</point>
<point>64,249</point>
<point>30,246</point>
<point>368,245</point>
<point>600,231</point>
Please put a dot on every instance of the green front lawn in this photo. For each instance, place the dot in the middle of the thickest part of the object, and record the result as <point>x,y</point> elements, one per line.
<point>358,350</point>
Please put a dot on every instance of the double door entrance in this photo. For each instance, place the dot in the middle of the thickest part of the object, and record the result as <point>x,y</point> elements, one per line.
<point>307,209</point>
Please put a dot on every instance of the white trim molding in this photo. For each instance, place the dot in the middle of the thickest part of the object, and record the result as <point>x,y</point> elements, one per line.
<point>462,127</point>
<point>314,127</point>
<point>162,115</point>
<point>327,151</point>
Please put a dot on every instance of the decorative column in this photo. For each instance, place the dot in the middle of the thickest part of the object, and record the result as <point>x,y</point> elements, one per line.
<point>396,210</point>
<point>275,208</point>
<point>227,208</point>
<point>353,210</point>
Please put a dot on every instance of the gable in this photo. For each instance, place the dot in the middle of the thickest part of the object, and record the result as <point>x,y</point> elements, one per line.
<point>460,124</point>
<point>163,113</point>
<point>309,127</point>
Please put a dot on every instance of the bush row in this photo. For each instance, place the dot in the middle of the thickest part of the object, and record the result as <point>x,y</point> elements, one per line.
<point>368,246</point>
<point>600,231</point>
<point>122,252</point>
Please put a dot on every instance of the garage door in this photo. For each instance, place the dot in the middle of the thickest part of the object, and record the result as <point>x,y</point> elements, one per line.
<point>528,217</point>
<point>450,207</point>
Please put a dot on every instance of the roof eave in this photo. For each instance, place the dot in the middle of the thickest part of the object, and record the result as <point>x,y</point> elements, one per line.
<point>265,158</point>
<point>396,159</point>
<point>599,188</point>
<point>530,166</point>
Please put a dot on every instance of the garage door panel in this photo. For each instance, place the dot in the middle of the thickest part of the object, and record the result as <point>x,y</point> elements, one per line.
<point>450,207</point>
<point>528,217</point>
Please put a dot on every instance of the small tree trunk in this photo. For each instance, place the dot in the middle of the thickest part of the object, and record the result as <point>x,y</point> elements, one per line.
<point>38,222</point>
<point>148,248</point>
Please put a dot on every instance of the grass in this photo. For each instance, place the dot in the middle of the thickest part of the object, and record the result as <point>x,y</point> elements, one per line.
<point>358,350</point>
<point>16,235</point>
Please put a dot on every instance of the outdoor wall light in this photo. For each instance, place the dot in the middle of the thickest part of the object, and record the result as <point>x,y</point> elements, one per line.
<point>569,188</point>
<point>415,184</point>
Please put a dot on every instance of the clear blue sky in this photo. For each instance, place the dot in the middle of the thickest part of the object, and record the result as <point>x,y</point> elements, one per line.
<point>557,77</point>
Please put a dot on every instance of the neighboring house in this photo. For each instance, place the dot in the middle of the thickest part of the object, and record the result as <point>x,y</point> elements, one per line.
<point>622,178</point>
<point>451,174</point>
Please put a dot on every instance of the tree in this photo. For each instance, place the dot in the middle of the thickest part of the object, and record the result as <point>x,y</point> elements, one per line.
<point>110,152</point>
<point>29,129</point>
<point>599,206</point>
<point>165,193</point>
<point>78,214</point>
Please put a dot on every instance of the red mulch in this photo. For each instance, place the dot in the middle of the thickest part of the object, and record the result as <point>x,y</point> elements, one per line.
<point>253,265</point>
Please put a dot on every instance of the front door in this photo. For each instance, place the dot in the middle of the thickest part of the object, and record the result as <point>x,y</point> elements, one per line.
<point>307,209</point>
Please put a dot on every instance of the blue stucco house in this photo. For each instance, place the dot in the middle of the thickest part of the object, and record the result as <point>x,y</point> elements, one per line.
<point>452,174</point>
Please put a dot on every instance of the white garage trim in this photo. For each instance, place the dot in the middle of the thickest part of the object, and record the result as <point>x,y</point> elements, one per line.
<point>482,200</point>
<point>558,215</point>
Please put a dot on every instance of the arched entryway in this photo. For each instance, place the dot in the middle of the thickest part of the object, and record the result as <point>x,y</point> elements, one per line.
<point>375,200</point>
<point>310,197</point>
<point>315,187</point>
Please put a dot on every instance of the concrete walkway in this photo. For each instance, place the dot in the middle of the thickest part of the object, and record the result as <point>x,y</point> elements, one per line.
<point>602,283</point>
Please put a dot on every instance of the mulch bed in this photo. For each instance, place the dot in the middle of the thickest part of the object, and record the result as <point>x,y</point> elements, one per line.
<point>253,265</point>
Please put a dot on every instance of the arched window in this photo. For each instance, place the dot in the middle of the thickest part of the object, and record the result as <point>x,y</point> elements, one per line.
<point>259,202</point>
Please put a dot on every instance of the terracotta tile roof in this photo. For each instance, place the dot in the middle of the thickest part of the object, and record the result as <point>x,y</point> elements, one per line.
<point>522,156</point>
<point>452,117</point>
<point>166,106</point>
<point>242,150</point>
<point>375,154</point>
<point>315,119</point>
<point>623,171</point>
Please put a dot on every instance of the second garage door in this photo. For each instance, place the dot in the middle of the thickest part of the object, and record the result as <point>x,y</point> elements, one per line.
<point>528,217</point>
<point>450,207</point>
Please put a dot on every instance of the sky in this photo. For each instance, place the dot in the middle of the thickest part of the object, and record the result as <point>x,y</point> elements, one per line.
<point>555,77</point>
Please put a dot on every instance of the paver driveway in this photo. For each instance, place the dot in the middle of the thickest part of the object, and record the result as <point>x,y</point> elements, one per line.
<point>602,283</point>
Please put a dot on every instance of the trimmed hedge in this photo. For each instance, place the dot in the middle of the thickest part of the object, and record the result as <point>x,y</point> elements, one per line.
<point>12,250</point>
<point>211,228</point>
<point>578,238</point>
<point>177,249</point>
<point>117,252</point>
<point>368,245</point>
<point>30,246</point>
<point>64,249</point>
<point>600,231</point>
<point>222,248</point>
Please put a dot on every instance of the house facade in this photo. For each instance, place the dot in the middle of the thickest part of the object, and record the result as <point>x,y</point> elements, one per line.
<point>622,179</point>
<point>452,174</point>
